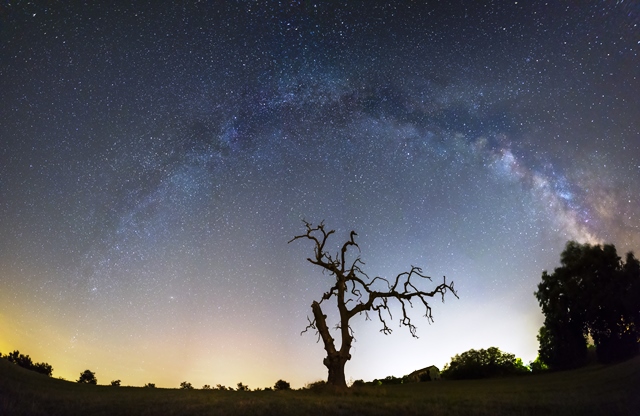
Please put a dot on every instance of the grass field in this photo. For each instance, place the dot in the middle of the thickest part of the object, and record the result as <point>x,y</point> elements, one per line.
<point>595,390</point>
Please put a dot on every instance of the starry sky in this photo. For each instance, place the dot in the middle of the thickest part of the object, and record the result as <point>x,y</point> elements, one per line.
<point>156,157</point>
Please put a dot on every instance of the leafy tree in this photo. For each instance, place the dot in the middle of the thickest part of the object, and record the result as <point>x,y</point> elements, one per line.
<point>206,387</point>
<point>43,368</point>
<point>352,285</point>
<point>150,385</point>
<point>594,293</point>
<point>482,363</point>
<point>538,365</point>
<point>115,383</point>
<point>242,387</point>
<point>88,377</point>
<point>562,344</point>
<point>25,361</point>
<point>186,386</point>
<point>282,385</point>
<point>15,357</point>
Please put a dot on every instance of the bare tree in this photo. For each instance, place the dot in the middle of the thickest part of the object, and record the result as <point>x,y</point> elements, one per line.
<point>353,285</point>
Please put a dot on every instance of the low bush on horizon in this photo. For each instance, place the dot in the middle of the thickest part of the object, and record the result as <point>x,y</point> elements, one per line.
<point>88,377</point>
<point>475,364</point>
<point>25,361</point>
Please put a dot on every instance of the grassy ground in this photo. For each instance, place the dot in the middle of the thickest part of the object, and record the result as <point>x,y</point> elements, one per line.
<point>596,390</point>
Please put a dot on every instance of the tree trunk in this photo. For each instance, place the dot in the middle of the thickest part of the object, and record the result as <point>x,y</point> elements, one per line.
<point>335,360</point>
<point>335,364</point>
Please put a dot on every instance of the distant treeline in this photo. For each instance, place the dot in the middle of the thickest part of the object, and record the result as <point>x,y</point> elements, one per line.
<point>25,361</point>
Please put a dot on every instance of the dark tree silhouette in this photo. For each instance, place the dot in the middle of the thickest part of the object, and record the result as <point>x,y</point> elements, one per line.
<point>537,365</point>
<point>24,361</point>
<point>594,293</point>
<point>150,385</point>
<point>43,368</point>
<point>483,363</point>
<point>242,387</point>
<point>88,377</point>
<point>282,385</point>
<point>115,383</point>
<point>353,285</point>
<point>186,386</point>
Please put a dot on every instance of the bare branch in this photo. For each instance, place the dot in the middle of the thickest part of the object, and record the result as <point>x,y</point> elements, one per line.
<point>346,245</point>
<point>312,325</point>
<point>379,308</point>
<point>405,297</point>
<point>380,278</point>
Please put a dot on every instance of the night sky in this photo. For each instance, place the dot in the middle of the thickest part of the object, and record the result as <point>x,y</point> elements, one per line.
<point>156,157</point>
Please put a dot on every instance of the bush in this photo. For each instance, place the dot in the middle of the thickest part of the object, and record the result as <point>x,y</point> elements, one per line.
<point>487,363</point>
<point>389,380</point>
<point>24,361</point>
<point>537,365</point>
<point>316,385</point>
<point>282,385</point>
<point>186,386</point>
<point>242,387</point>
<point>115,383</point>
<point>43,368</point>
<point>150,385</point>
<point>88,377</point>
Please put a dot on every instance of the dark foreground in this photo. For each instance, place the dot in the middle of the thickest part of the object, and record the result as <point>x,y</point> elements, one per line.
<point>596,390</point>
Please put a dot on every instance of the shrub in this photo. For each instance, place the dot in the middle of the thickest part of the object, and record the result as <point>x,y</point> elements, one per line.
<point>115,383</point>
<point>282,385</point>
<point>537,365</point>
<point>43,368</point>
<point>88,377</point>
<point>150,385</point>
<point>358,383</point>
<point>186,386</point>
<point>24,361</point>
<point>491,362</point>
<point>316,385</point>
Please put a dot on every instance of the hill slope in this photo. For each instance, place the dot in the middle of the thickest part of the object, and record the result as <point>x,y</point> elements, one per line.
<point>595,390</point>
